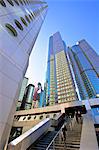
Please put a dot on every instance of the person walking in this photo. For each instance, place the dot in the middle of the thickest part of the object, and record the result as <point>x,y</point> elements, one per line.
<point>64,131</point>
<point>80,116</point>
<point>76,115</point>
<point>62,136</point>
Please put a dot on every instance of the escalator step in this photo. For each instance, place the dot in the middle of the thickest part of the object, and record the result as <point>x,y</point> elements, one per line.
<point>37,148</point>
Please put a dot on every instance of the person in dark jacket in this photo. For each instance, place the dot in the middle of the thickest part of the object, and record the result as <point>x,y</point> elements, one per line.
<point>76,115</point>
<point>64,130</point>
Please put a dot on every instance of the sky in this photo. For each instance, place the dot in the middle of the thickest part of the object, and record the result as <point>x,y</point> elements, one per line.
<point>75,20</point>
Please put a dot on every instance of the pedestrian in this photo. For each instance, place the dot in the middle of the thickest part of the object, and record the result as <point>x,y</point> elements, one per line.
<point>62,136</point>
<point>64,130</point>
<point>76,115</point>
<point>80,116</point>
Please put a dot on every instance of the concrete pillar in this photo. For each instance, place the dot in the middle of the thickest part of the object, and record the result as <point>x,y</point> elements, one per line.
<point>62,110</point>
<point>88,136</point>
<point>87,104</point>
<point>6,117</point>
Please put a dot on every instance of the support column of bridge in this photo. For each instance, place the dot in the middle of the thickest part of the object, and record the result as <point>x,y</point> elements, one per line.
<point>88,136</point>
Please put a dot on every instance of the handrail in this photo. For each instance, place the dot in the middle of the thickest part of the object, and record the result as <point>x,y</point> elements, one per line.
<point>26,139</point>
<point>27,133</point>
<point>56,136</point>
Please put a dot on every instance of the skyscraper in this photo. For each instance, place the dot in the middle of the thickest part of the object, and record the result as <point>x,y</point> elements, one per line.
<point>22,92</point>
<point>85,63</point>
<point>29,96</point>
<point>20,23</point>
<point>59,80</point>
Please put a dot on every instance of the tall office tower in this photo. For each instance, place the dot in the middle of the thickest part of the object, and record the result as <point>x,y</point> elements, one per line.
<point>20,23</point>
<point>29,96</point>
<point>42,98</point>
<point>60,85</point>
<point>36,96</point>
<point>85,63</point>
<point>22,92</point>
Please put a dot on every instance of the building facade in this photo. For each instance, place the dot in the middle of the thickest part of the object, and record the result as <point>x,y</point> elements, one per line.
<point>42,98</point>
<point>20,23</point>
<point>28,97</point>
<point>85,63</point>
<point>22,92</point>
<point>59,80</point>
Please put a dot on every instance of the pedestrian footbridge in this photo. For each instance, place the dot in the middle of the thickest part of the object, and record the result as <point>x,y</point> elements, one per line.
<point>46,135</point>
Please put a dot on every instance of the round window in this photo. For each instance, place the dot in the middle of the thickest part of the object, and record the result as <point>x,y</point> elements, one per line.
<point>34,117</point>
<point>41,117</point>
<point>16,2</point>
<point>10,2</point>
<point>18,24</point>
<point>21,2</point>
<point>23,21</point>
<point>31,14</point>
<point>24,118</point>
<point>47,116</point>
<point>54,115</point>
<point>30,17</point>
<point>18,117</point>
<point>27,18</point>
<point>11,29</point>
<point>24,2</point>
<point>2,3</point>
<point>29,117</point>
<point>27,1</point>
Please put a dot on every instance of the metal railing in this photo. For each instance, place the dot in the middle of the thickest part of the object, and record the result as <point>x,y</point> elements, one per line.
<point>52,143</point>
<point>24,141</point>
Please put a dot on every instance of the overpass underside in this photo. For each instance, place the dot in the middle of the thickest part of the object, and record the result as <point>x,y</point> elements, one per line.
<point>35,123</point>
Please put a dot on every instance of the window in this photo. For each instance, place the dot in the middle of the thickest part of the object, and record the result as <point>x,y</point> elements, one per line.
<point>21,2</point>
<point>16,2</point>
<point>18,24</point>
<point>54,115</point>
<point>34,117</point>
<point>24,118</point>
<point>24,2</point>
<point>18,118</point>
<point>29,117</point>
<point>23,21</point>
<point>11,29</point>
<point>41,117</point>
<point>47,116</point>
<point>2,3</point>
<point>27,1</point>
<point>27,18</point>
<point>30,17</point>
<point>10,2</point>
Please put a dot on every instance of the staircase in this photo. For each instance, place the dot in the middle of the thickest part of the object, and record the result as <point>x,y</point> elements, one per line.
<point>72,141</point>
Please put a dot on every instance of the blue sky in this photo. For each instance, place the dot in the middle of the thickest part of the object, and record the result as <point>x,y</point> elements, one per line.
<point>75,20</point>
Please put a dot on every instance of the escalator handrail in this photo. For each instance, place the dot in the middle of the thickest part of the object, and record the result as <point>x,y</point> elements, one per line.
<point>69,119</point>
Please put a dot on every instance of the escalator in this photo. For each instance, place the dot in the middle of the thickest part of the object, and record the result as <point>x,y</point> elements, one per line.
<point>43,142</point>
<point>72,140</point>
